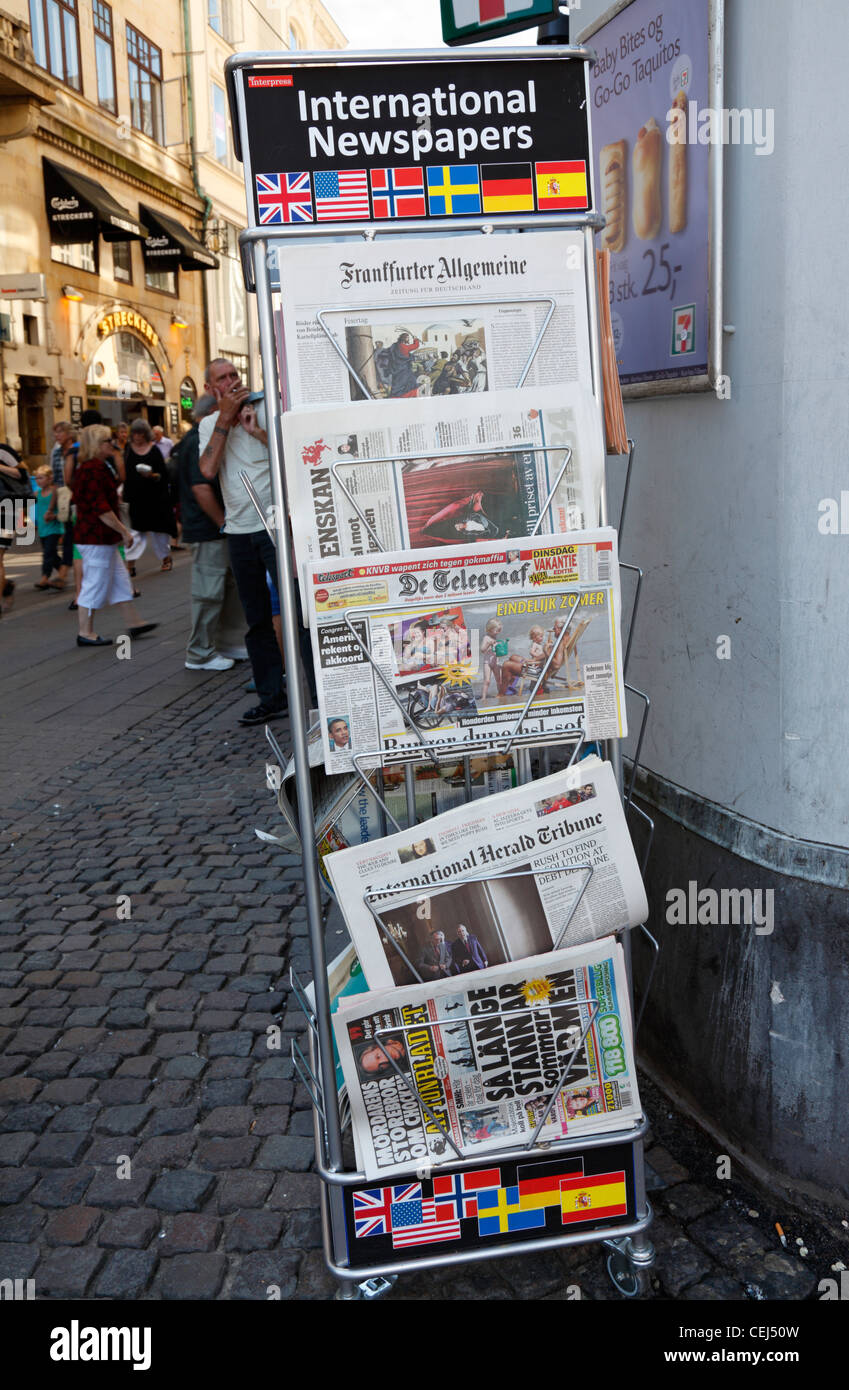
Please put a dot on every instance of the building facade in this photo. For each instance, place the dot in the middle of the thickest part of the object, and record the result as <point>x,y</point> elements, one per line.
<point>121,205</point>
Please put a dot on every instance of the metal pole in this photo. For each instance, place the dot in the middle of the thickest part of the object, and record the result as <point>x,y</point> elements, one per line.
<point>297,710</point>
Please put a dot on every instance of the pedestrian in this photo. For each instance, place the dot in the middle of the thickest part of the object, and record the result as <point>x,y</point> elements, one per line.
<point>15,492</point>
<point>216,640</point>
<point>49,529</point>
<point>234,440</point>
<point>99,530</point>
<point>166,449</point>
<point>146,493</point>
<point>63,457</point>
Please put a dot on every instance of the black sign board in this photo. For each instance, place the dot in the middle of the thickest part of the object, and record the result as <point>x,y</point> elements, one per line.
<point>174,421</point>
<point>500,1203</point>
<point>76,411</point>
<point>374,142</point>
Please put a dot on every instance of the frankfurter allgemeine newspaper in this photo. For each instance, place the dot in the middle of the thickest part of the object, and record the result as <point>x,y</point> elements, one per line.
<point>457,646</point>
<point>506,872</point>
<point>440,316</point>
<point>428,472</point>
<point>485,1053</point>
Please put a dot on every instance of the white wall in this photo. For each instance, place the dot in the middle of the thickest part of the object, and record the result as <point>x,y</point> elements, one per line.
<point>724,503</point>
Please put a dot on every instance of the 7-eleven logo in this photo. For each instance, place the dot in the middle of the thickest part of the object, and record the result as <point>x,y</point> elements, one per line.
<point>684,330</point>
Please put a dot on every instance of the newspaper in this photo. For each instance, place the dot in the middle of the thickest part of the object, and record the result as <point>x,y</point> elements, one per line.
<point>344,978</point>
<point>461,641</point>
<point>347,813</point>
<point>412,475</point>
<point>486,1056</point>
<point>509,870</point>
<point>433,316</point>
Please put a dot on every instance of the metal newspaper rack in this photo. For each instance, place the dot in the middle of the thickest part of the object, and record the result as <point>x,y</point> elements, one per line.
<point>585,1160</point>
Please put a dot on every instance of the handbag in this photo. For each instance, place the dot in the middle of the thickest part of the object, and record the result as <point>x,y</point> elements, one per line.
<point>63,503</point>
<point>17,488</point>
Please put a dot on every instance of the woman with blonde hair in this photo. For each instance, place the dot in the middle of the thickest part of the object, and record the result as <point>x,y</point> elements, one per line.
<point>97,534</point>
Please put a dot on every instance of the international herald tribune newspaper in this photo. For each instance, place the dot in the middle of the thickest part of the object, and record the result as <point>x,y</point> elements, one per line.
<point>421,473</point>
<point>464,639</point>
<point>547,864</point>
<point>434,316</point>
<point>485,1054</point>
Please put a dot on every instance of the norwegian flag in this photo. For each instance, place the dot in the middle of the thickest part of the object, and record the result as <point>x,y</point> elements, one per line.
<point>417,1223</point>
<point>283,198</point>
<point>373,1207</point>
<point>398,192</point>
<point>456,1194</point>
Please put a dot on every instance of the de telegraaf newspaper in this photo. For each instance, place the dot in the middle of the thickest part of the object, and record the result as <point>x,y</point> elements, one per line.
<point>493,882</point>
<point>468,646</point>
<point>437,316</point>
<point>413,475</point>
<point>485,1054</point>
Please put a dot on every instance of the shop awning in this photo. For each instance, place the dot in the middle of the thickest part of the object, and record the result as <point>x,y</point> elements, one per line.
<point>168,245</point>
<point>78,209</point>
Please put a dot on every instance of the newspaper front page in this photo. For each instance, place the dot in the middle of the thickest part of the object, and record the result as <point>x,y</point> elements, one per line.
<point>436,316</point>
<point>414,475</point>
<point>464,640</point>
<point>503,875</point>
<point>486,1055</point>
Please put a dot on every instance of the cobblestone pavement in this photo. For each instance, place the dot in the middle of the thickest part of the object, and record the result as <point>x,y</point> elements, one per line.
<point>151,1145</point>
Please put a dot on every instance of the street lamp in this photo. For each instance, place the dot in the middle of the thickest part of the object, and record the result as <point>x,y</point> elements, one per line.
<point>178,321</point>
<point>71,293</point>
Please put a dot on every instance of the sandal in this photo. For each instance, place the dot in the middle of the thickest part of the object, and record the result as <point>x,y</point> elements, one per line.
<point>167,563</point>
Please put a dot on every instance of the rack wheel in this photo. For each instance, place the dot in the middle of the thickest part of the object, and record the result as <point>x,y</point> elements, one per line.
<point>627,1281</point>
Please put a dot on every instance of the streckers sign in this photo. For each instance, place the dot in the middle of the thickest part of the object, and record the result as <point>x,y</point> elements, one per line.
<point>368,141</point>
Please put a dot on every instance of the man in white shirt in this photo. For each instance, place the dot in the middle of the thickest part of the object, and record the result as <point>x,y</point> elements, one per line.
<point>233,440</point>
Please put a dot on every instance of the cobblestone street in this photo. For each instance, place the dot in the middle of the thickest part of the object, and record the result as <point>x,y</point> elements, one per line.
<point>151,1145</point>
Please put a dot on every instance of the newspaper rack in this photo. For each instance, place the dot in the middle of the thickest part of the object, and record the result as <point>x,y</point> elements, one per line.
<point>367,1267</point>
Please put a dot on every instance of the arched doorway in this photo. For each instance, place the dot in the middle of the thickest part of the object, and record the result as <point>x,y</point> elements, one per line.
<point>124,381</point>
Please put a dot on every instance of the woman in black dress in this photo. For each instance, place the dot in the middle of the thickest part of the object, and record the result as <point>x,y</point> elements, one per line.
<point>147,495</point>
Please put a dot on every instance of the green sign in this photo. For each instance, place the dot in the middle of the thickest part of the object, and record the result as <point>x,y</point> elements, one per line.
<point>477,21</point>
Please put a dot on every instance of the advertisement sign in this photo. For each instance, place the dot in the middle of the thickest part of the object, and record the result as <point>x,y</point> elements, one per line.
<point>478,21</point>
<point>389,142</point>
<point>652,89</point>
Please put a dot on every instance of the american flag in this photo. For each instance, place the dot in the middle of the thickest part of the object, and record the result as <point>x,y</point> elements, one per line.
<point>457,1194</point>
<point>398,192</point>
<point>417,1223</point>
<point>341,194</point>
<point>283,198</point>
<point>373,1207</point>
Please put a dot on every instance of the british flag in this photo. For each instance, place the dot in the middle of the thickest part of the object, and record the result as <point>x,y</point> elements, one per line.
<point>456,1194</point>
<point>373,1207</point>
<point>398,192</point>
<point>283,198</point>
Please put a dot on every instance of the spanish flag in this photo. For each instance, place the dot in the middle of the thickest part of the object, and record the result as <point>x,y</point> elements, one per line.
<point>507,188</point>
<point>592,1199</point>
<point>563,186</point>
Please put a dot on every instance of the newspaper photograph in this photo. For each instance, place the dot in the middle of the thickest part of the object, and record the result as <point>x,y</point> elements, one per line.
<point>540,866</point>
<point>412,475</point>
<point>456,647</point>
<point>436,316</point>
<point>486,1057</point>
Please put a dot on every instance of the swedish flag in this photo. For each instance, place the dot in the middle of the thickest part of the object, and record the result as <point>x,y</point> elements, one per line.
<point>504,1210</point>
<point>453,190</point>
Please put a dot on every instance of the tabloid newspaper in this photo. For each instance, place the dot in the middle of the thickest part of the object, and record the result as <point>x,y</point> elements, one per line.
<point>465,639</point>
<point>483,884</point>
<point>346,813</point>
<point>436,316</point>
<point>413,475</point>
<point>486,1054</point>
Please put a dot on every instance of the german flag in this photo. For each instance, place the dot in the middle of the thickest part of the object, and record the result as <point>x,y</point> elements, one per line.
<point>562,186</point>
<point>592,1199</point>
<point>507,188</point>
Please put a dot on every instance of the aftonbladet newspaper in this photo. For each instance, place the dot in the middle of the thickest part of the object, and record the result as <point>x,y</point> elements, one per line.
<point>509,870</point>
<point>414,475</point>
<point>485,1053</point>
<point>438,317</point>
<point>461,640</point>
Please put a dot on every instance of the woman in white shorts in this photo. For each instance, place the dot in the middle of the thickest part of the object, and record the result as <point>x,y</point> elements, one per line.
<point>97,534</point>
